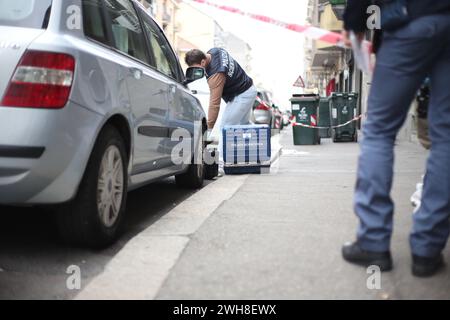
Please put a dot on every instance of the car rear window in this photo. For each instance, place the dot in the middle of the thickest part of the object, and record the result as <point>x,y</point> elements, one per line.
<point>25,13</point>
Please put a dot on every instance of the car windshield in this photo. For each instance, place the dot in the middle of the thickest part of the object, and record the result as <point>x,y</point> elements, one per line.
<point>25,13</point>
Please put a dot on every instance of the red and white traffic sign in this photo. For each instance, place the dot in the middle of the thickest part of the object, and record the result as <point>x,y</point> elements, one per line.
<point>299,82</point>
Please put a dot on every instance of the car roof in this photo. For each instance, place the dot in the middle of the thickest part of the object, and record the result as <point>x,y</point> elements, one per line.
<point>146,12</point>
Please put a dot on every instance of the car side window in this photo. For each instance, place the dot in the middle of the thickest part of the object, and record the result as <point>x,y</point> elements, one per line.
<point>165,60</point>
<point>94,22</point>
<point>126,29</point>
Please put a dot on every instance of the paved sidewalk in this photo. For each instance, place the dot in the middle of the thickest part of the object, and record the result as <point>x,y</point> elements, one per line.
<point>279,236</point>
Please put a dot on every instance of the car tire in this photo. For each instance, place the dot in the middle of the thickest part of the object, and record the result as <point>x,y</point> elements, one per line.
<point>212,170</point>
<point>194,177</point>
<point>87,220</point>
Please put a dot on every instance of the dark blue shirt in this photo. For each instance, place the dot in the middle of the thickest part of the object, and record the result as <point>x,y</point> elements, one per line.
<point>237,80</point>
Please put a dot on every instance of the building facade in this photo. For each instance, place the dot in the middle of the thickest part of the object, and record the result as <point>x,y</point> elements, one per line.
<point>188,28</point>
<point>332,68</point>
<point>329,68</point>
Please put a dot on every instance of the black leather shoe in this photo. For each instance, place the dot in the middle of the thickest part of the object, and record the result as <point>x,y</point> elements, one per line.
<point>426,267</point>
<point>353,253</point>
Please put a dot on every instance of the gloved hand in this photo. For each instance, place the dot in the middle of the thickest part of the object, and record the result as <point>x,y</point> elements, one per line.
<point>208,135</point>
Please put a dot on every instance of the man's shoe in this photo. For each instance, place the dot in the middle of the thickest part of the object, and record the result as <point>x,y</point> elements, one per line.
<point>353,253</point>
<point>426,267</point>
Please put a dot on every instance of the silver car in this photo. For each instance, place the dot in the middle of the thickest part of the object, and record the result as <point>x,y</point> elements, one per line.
<point>90,94</point>
<point>262,111</point>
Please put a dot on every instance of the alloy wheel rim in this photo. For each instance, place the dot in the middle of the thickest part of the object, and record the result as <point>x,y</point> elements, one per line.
<point>110,186</point>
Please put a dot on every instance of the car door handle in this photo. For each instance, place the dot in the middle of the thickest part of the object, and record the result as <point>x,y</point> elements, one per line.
<point>137,73</point>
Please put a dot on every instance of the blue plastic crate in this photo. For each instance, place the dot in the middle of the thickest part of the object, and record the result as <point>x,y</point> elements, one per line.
<point>247,149</point>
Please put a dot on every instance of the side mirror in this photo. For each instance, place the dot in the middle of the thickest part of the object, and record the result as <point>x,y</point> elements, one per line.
<point>194,74</point>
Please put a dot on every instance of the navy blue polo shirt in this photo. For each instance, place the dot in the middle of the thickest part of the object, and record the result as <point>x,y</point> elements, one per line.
<point>237,80</point>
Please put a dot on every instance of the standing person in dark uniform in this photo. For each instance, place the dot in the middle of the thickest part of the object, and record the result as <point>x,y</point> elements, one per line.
<point>227,80</point>
<point>423,99</point>
<point>415,44</point>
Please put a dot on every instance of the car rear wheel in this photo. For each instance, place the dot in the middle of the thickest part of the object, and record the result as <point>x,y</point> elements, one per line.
<point>194,177</point>
<point>212,170</point>
<point>94,217</point>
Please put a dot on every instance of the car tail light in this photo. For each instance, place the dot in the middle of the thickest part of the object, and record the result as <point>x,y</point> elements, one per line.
<point>261,105</point>
<point>41,80</point>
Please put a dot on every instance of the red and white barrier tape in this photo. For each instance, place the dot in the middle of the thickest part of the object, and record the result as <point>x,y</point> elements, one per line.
<point>297,124</point>
<point>307,30</point>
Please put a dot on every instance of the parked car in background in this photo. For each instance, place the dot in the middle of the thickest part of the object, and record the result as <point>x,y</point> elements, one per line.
<point>86,114</point>
<point>266,96</point>
<point>262,112</point>
<point>200,89</point>
<point>286,118</point>
<point>277,118</point>
<point>275,114</point>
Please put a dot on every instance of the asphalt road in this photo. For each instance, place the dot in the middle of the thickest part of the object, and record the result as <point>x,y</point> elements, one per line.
<point>33,262</point>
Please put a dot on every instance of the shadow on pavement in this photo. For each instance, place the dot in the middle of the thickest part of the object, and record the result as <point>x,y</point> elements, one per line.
<point>33,261</point>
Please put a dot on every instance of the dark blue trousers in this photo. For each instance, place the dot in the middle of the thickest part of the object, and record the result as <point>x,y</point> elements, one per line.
<point>407,56</point>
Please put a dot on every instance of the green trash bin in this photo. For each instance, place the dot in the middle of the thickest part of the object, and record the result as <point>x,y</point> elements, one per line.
<point>343,108</point>
<point>324,118</point>
<point>305,109</point>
